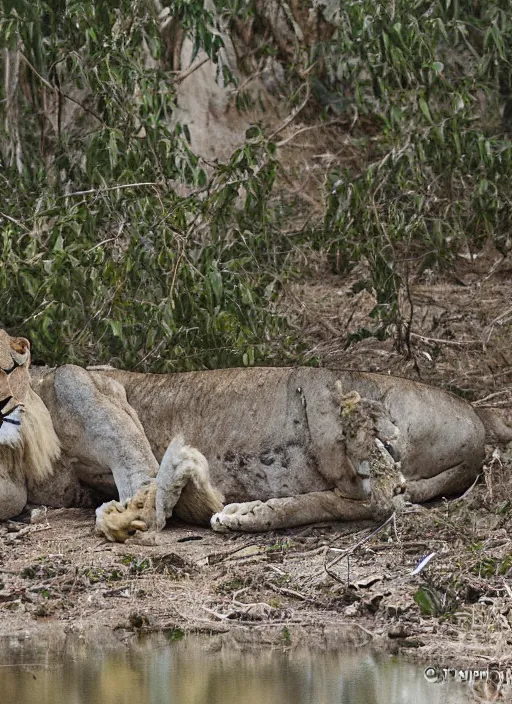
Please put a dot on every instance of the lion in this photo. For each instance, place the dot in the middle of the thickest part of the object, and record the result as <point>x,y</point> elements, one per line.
<point>29,446</point>
<point>268,448</point>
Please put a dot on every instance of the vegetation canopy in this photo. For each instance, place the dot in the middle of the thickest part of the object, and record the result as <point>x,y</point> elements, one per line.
<point>120,244</point>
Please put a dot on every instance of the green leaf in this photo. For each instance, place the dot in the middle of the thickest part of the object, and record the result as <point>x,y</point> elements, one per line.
<point>58,245</point>
<point>425,109</point>
<point>427,601</point>
<point>116,327</point>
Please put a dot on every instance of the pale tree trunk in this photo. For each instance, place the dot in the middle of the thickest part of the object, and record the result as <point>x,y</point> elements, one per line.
<point>12,146</point>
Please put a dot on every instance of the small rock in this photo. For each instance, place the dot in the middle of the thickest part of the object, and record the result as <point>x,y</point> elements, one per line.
<point>366,583</point>
<point>373,603</point>
<point>393,610</point>
<point>138,620</point>
<point>38,515</point>
<point>393,648</point>
<point>351,610</point>
<point>398,630</point>
<point>414,643</point>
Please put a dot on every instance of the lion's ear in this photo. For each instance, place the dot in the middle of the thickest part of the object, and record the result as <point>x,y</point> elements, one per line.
<point>20,350</point>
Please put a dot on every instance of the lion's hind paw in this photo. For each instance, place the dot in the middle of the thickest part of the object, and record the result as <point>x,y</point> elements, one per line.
<point>238,517</point>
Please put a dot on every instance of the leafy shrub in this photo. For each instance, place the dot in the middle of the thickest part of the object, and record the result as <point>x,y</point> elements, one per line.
<point>120,245</point>
<point>102,258</point>
<point>431,79</point>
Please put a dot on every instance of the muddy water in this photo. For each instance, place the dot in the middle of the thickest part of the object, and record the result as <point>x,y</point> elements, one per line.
<point>199,671</point>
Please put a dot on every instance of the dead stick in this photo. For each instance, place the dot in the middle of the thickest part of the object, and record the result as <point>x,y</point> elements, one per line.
<point>351,549</point>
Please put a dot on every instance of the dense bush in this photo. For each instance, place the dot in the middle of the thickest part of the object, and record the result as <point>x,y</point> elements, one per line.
<point>119,245</point>
<point>102,259</point>
<point>433,79</point>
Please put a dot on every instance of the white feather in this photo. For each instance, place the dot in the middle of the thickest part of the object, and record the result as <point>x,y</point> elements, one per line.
<point>421,565</point>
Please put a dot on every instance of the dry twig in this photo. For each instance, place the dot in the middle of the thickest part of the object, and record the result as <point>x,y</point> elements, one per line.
<point>348,551</point>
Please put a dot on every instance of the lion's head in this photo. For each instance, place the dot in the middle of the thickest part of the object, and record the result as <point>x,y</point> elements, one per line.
<point>14,386</point>
<point>28,443</point>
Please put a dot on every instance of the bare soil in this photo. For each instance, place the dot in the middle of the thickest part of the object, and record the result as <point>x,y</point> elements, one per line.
<point>284,588</point>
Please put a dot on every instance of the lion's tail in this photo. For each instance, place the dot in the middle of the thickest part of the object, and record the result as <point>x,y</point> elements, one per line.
<point>185,465</point>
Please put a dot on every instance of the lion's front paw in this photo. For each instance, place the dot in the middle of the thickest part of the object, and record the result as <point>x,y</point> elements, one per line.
<point>118,522</point>
<point>239,517</point>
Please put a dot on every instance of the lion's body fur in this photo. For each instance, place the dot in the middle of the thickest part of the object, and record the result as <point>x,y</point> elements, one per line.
<point>254,415</point>
<point>273,435</point>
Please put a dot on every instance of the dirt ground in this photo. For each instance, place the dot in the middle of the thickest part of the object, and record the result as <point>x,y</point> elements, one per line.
<point>327,585</point>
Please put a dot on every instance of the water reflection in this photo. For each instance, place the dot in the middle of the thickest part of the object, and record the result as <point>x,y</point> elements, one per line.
<point>196,671</point>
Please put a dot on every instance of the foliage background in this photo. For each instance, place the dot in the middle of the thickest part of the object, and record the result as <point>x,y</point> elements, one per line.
<point>119,244</point>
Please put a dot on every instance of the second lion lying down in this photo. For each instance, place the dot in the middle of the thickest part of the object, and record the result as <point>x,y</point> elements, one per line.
<point>283,447</point>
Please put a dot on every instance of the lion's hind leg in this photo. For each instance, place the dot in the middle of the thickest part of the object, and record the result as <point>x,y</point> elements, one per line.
<point>451,481</point>
<point>184,487</point>
<point>302,509</point>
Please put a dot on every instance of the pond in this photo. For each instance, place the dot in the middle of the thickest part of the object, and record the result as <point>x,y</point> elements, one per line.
<point>199,670</point>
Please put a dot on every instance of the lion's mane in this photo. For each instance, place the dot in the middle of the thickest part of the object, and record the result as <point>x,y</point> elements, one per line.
<point>33,458</point>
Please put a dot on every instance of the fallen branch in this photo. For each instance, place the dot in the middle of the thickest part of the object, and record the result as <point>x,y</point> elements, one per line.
<point>320,126</point>
<point>221,617</point>
<point>350,550</point>
<point>449,343</point>
<point>11,537</point>
<point>181,75</point>
<point>495,394</point>
<point>13,220</point>
<point>214,557</point>
<point>291,592</point>
<point>467,492</point>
